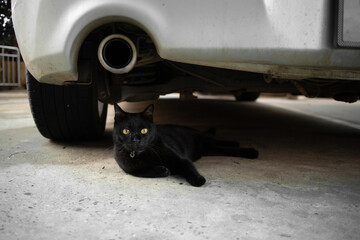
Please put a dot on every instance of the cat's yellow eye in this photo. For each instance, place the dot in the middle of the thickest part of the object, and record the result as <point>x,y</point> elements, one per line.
<point>126,131</point>
<point>144,131</point>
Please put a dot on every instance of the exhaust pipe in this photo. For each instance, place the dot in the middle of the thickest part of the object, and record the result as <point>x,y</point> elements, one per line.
<point>117,54</point>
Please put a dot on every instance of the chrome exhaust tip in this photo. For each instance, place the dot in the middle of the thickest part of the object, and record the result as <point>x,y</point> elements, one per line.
<point>117,54</point>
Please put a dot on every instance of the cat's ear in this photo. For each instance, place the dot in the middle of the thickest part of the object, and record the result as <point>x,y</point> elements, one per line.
<point>148,112</point>
<point>119,113</point>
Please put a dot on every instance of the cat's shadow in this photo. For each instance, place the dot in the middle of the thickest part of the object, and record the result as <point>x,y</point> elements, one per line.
<point>105,142</point>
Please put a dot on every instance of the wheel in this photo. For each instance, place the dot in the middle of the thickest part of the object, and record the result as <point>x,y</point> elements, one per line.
<point>246,96</point>
<point>66,112</point>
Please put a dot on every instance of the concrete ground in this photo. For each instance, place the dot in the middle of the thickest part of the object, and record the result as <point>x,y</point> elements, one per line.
<point>305,184</point>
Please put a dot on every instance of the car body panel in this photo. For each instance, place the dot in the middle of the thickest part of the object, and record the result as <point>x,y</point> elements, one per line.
<point>283,39</point>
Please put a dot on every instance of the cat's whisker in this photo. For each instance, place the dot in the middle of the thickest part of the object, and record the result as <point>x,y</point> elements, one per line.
<point>120,148</point>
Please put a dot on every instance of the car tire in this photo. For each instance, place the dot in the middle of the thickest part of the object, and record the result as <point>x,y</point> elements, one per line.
<point>246,96</point>
<point>68,112</point>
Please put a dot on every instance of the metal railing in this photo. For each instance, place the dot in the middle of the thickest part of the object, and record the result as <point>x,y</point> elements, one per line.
<point>9,66</point>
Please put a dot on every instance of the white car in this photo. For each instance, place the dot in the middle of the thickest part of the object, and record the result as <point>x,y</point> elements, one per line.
<point>84,54</point>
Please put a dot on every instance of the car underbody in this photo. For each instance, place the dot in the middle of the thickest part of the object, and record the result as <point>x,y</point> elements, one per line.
<point>153,76</point>
<point>82,55</point>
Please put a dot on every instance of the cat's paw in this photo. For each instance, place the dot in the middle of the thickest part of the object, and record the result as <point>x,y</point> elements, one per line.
<point>163,171</point>
<point>197,181</point>
<point>252,153</point>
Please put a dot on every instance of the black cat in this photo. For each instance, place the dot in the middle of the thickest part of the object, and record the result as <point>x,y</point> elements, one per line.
<point>144,149</point>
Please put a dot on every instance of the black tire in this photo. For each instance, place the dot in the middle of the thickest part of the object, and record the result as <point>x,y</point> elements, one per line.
<point>246,96</point>
<point>66,112</point>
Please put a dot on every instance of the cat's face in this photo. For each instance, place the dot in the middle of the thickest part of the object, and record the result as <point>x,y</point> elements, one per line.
<point>134,132</point>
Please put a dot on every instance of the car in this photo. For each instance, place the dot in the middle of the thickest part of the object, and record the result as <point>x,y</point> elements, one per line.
<point>82,55</point>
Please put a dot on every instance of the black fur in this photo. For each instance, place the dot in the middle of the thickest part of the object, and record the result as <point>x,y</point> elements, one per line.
<point>166,149</point>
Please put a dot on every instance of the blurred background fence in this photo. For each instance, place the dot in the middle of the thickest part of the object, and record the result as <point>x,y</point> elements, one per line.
<point>10,67</point>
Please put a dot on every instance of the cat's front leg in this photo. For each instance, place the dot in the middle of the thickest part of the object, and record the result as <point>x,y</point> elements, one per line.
<point>187,169</point>
<point>152,172</point>
<point>196,180</point>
